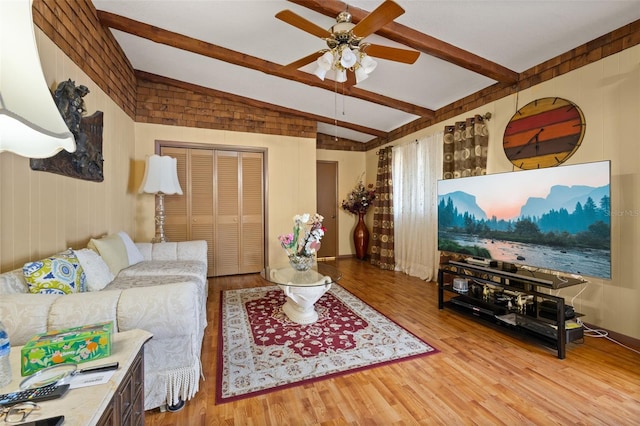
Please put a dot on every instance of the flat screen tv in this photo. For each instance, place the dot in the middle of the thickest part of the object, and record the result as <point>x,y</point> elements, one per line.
<point>555,219</point>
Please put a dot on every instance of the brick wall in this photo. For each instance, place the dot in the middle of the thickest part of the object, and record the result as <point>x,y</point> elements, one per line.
<point>329,142</point>
<point>182,104</point>
<point>74,27</point>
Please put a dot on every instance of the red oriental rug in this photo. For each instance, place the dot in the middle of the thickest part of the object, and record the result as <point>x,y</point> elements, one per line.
<point>260,350</point>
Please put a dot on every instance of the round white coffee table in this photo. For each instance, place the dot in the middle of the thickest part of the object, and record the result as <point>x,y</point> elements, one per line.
<point>303,289</point>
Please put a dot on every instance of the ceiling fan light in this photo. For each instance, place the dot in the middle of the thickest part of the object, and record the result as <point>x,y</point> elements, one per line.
<point>325,61</point>
<point>348,58</point>
<point>368,64</point>
<point>320,72</point>
<point>341,75</point>
<point>361,75</point>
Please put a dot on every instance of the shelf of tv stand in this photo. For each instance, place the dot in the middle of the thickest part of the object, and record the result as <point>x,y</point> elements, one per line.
<point>537,278</point>
<point>488,309</point>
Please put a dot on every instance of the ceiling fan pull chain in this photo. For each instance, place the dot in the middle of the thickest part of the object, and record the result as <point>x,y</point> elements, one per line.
<point>335,109</point>
<point>343,101</point>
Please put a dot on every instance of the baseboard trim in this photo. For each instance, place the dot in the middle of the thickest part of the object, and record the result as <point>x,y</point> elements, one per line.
<point>632,342</point>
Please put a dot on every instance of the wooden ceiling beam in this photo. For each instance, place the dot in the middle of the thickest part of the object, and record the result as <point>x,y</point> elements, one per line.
<point>154,78</point>
<point>200,47</point>
<point>419,41</point>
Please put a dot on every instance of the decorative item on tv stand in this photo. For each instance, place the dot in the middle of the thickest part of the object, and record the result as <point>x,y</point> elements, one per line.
<point>302,245</point>
<point>160,178</point>
<point>358,202</point>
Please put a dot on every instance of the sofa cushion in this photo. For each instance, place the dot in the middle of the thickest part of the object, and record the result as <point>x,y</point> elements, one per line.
<point>97,272</point>
<point>124,282</point>
<point>82,309</point>
<point>191,268</point>
<point>26,314</point>
<point>58,274</point>
<point>13,282</point>
<point>133,253</point>
<point>112,250</point>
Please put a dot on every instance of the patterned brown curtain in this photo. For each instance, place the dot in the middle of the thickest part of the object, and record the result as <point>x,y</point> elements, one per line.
<point>382,254</point>
<point>465,148</point>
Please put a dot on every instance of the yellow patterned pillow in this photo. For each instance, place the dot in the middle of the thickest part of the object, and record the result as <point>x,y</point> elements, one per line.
<point>59,274</point>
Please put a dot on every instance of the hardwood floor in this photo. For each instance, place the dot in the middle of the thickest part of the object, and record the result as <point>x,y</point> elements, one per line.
<point>480,376</point>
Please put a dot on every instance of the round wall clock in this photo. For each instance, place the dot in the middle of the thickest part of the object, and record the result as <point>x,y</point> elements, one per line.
<point>544,133</point>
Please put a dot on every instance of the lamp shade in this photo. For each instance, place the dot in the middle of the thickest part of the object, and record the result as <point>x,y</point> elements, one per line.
<point>161,176</point>
<point>320,73</point>
<point>341,75</point>
<point>361,75</point>
<point>348,58</point>
<point>325,61</point>
<point>368,64</point>
<point>30,123</point>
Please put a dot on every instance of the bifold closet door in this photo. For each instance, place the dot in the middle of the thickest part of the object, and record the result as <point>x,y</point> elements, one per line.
<point>191,216</point>
<point>239,217</point>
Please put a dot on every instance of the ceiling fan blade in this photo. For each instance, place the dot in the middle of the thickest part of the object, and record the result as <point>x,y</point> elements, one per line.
<point>301,62</point>
<point>392,53</point>
<point>299,22</point>
<point>382,15</point>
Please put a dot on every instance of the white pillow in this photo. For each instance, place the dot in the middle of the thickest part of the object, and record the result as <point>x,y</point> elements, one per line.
<point>133,253</point>
<point>112,250</point>
<point>97,272</point>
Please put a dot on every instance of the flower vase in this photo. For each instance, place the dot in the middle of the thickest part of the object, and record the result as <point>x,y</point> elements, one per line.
<point>301,263</point>
<point>361,237</point>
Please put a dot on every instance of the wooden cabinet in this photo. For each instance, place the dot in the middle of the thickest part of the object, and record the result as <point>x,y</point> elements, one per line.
<point>126,408</point>
<point>120,401</point>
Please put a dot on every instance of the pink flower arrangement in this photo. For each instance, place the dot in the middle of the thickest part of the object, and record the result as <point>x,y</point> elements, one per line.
<point>306,236</point>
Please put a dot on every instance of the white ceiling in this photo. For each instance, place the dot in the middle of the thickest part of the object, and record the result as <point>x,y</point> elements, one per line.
<point>515,34</point>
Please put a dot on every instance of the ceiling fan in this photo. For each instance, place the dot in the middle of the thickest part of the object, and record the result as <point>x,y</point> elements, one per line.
<point>346,49</point>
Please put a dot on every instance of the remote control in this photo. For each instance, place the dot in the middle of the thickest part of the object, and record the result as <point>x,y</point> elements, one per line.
<point>44,393</point>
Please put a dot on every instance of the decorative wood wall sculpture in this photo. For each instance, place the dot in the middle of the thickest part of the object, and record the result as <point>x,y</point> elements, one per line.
<point>86,162</point>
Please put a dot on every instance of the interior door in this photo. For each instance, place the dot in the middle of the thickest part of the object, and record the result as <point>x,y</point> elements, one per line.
<point>201,200</point>
<point>222,203</point>
<point>176,206</point>
<point>252,207</point>
<point>190,216</point>
<point>327,205</point>
<point>239,202</point>
<point>227,200</point>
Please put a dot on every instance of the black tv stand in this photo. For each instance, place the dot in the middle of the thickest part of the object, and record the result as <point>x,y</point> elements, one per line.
<point>510,299</point>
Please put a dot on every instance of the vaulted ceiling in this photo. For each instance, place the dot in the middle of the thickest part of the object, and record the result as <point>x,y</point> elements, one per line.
<point>240,47</point>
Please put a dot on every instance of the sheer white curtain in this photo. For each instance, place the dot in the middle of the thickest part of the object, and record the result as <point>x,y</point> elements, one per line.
<point>417,166</point>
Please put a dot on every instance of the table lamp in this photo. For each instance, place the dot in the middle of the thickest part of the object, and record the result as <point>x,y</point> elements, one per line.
<point>160,178</point>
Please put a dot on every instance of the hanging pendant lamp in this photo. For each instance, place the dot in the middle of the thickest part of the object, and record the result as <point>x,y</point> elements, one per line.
<point>30,123</point>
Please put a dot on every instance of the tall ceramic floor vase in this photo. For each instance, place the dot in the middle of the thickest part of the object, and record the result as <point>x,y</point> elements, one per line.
<point>361,237</point>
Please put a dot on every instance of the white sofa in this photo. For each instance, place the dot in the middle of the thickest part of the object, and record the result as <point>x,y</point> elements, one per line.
<point>164,294</point>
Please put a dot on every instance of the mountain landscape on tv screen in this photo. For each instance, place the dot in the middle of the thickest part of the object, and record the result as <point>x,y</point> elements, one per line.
<point>567,230</point>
